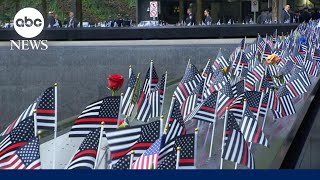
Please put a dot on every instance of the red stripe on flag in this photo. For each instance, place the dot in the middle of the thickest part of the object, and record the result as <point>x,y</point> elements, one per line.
<point>89,151</point>
<point>183,90</point>
<point>36,165</point>
<point>13,146</point>
<point>186,161</point>
<point>208,109</point>
<point>119,154</point>
<point>45,111</point>
<point>249,86</point>
<point>140,100</point>
<point>245,155</point>
<point>10,127</point>
<point>16,158</point>
<point>293,89</point>
<point>96,120</point>
<point>254,109</point>
<point>257,134</point>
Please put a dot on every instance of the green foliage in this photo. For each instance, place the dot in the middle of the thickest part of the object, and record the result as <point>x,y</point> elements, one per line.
<point>95,10</point>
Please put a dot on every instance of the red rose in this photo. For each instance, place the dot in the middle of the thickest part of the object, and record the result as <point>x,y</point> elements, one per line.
<point>115,81</point>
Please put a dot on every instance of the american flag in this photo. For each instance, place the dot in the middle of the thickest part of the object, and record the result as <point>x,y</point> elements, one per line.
<point>284,70</point>
<point>26,113</point>
<point>17,138</point>
<point>311,67</point>
<point>295,86</point>
<point>189,81</point>
<point>157,96</point>
<point>154,80</point>
<point>236,148</point>
<point>144,108</point>
<point>296,57</point>
<point>44,101</point>
<point>238,88</point>
<point>25,157</point>
<point>287,107</point>
<point>127,106</point>
<point>123,163</point>
<point>105,110</point>
<point>218,82</point>
<point>274,103</point>
<point>253,76</point>
<point>253,103</point>
<point>149,158</point>
<point>251,129</point>
<point>316,54</point>
<point>85,157</point>
<point>168,153</point>
<point>225,98</point>
<point>46,116</point>
<point>143,104</point>
<point>220,62</point>
<point>176,126</point>
<point>267,51</point>
<point>206,111</point>
<point>192,100</point>
<point>260,45</point>
<point>137,138</point>
<point>303,48</point>
<point>265,86</point>
<point>301,72</point>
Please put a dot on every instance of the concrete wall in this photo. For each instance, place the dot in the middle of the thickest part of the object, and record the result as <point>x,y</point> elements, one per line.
<point>81,71</point>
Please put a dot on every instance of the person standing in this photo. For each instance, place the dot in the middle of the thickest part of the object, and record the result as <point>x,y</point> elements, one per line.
<point>305,15</point>
<point>72,21</point>
<point>286,14</point>
<point>119,21</point>
<point>190,21</point>
<point>208,19</point>
<point>51,19</point>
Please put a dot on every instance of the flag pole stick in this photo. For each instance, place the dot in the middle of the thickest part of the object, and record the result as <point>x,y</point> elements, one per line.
<point>161,125</point>
<point>164,92</point>
<point>264,119</point>
<point>130,71</point>
<point>120,107</point>
<point>178,157</point>
<point>223,136</point>
<point>203,74</point>
<point>150,77</point>
<point>55,126</point>
<point>245,101</point>
<point>195,146</point>
<point>131,159</point>
<point>35,123</point>
<point>100,139</point>
<point>131,106</point>
<point>149,89</point>
<point>170,109</point>
<point>206,139</point>
<point>260,103</point>
<point>214,125</point>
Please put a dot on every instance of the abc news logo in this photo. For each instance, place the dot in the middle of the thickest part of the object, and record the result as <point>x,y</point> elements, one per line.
<point>28,23</point>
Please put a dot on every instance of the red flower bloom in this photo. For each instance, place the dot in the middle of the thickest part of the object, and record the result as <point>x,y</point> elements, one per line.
<point>115,81</point>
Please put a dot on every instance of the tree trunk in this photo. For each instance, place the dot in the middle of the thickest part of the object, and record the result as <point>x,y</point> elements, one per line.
<point>79,11</point>
<point>44,9</point>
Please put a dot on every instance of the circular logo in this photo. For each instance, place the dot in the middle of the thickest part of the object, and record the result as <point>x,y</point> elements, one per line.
<point>28,22</point>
